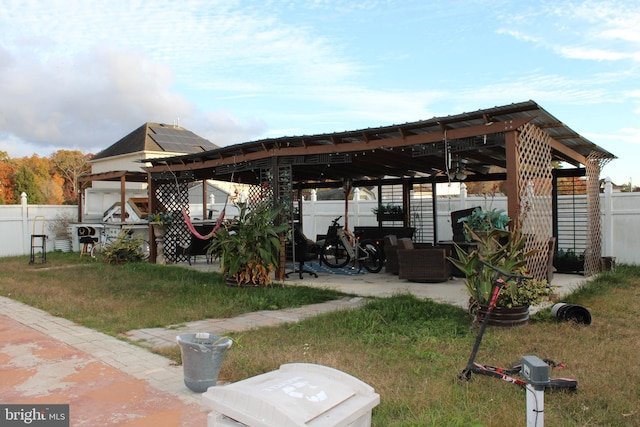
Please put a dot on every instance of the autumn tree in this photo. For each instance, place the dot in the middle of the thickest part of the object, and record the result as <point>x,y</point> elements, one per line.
<point>8,169</point>
<point>70,164</point>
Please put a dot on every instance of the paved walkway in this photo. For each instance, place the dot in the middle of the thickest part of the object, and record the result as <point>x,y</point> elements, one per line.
<point>47,359</point>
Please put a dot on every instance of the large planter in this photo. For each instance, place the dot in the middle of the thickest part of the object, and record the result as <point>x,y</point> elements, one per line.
<point>62,245</point>
<point>568,265</point>
<point>159,231</point>
<point>503,316</point>
<point>390,216</point>
<point>202,356</point>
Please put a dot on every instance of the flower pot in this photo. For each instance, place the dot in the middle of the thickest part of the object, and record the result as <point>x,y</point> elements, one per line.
<point>568,265</point>
<point>390,217</point>
<point>202,356</point>
<point>504,316</point>
<point>62,245</point>
<point>159,230</point>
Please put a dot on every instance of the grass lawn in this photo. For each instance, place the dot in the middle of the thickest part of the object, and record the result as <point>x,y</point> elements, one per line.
<point>409,350</point>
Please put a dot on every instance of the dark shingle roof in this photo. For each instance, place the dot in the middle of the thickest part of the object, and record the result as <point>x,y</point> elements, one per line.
<point>158,137</point>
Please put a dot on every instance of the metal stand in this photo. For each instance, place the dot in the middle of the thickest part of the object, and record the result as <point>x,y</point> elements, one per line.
<point>41,244</point>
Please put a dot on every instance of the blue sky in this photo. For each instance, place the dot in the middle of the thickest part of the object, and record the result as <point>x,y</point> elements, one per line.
<point>82,74</point>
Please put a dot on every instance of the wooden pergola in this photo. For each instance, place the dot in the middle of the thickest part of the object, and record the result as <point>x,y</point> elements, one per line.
<point>516,143</point>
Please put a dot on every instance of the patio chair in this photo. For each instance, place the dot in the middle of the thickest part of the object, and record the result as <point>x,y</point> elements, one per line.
<point>304,249</point>
<point>422,263</point>
<point>391,253</point>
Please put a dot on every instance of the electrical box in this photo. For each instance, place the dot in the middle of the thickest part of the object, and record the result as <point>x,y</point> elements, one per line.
<point>535,371</point>
<point>296,395</point>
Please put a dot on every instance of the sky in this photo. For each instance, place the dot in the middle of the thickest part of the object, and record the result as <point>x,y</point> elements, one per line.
<point>80,75</point>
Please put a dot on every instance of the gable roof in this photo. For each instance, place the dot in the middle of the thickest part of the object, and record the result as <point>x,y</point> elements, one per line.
<point>158,137</point>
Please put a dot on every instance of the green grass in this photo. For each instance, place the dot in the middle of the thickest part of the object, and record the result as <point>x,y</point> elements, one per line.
<point>118,298</point>
<point>409,350</point>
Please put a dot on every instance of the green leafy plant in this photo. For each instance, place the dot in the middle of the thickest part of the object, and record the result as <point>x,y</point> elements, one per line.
<point>569,255</point>
<point>485,220</point>
<point>389,208</point>
<point>248,245</point>
<point>160,217</point>
<point>505,250</point>
<point>125,248</point>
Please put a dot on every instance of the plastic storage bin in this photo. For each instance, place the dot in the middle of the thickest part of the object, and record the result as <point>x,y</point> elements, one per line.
<point>297,394</point>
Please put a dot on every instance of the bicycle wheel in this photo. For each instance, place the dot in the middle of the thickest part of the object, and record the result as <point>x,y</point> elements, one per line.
<point>96,250</point>
<point>144,250</point>
<point>334,254</point>
<point>373,261</point>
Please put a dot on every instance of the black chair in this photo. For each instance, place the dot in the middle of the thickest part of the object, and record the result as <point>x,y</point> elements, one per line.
<point>87,239</point>
<point>304,250</point>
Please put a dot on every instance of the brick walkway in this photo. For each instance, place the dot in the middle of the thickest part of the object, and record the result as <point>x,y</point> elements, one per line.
<point>159,337</point>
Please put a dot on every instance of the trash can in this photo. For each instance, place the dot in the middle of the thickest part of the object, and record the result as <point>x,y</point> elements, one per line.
<point>296,395</point>
<point>202,356</point>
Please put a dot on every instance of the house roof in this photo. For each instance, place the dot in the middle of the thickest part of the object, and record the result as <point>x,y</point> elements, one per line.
<point>158,137</point>
<point>410,149</point>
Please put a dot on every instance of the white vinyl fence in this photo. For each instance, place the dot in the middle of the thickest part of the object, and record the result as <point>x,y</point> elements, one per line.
<point>620,220</point>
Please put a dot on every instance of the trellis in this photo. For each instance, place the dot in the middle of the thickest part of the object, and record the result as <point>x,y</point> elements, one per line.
<point>593,252</point>
<point>535,184</point>
<point>173,196</point>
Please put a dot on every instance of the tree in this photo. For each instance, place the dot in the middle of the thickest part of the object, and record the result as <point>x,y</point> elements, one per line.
<point>26,183</point>
<point>70,164</point>
<point>8,169</point>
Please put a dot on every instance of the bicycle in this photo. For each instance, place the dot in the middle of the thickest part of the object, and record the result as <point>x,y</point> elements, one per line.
<point>136,247</point>
<point>340,248</point>
<point>500,279</point>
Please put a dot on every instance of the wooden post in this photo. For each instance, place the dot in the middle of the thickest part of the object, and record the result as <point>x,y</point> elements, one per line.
<point>513,193</point>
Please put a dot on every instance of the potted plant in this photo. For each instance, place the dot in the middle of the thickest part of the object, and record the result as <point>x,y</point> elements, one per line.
<point>503,249</point>
<point>481,220</point>
<point>248,245</point>
<point>568,261</point>
<point>159,222</point>
<point>388,212</point>
<point>60,227</point>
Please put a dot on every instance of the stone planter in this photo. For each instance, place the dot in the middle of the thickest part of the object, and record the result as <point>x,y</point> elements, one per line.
<point>159,231</point>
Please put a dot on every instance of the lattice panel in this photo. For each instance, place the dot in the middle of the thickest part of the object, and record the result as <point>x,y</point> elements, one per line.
<point>593,252</point>
<point>173,197</point>
<point>535,185</point>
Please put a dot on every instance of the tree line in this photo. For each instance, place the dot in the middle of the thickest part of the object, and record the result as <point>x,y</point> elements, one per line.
<point>49,180</point>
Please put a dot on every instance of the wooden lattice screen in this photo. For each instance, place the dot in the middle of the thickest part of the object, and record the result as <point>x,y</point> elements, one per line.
<point>535,184</point>
<point>173,196</point>
<point>593,251</point>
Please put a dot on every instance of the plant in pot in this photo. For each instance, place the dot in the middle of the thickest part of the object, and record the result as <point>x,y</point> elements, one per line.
<point>568,261</point>
<point>60,226</point>
<point>481,220</point>
<point>505,250</point>
<point>248,245</point>
<point>388,212</point>
<point>159,221</point>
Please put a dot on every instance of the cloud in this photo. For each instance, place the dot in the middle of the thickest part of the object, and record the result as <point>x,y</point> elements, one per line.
<point>590,30</point>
